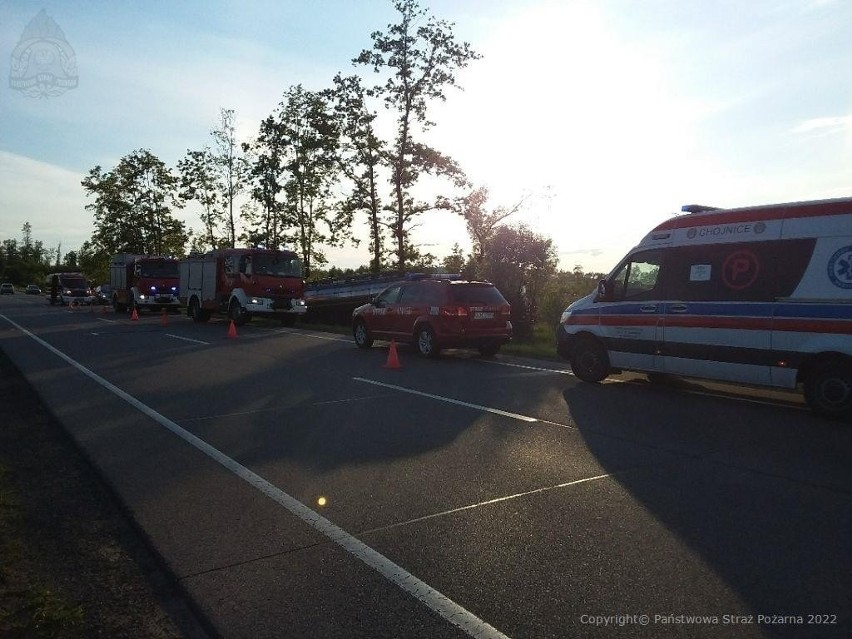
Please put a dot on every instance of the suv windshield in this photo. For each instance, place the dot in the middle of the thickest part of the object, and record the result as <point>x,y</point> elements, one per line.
<point>476,294</point>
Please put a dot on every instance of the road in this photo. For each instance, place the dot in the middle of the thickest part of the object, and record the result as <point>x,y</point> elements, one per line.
<point>299,488</point>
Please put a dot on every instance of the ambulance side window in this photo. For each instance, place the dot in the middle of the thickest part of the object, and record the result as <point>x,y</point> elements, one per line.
<point>638,278</point>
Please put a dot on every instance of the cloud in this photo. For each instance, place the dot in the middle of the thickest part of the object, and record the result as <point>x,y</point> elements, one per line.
<point>824,126</point>
<point>49,197</point>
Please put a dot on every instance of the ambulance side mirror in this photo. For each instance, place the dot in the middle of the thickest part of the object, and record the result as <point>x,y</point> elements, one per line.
<point>604,291</point>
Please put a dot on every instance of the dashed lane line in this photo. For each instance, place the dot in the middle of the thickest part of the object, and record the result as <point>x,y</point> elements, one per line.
<point>488,502</point>
<point>187,339</point>
<point>458,402</point>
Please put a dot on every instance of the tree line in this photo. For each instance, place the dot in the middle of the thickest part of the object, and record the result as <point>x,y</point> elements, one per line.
<point>322,161</point>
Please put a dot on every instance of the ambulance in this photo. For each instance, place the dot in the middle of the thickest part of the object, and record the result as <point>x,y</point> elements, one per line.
<point>757,295</point>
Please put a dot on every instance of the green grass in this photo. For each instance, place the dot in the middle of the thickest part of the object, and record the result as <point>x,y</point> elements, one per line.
<point>27,610</point>
<point>542,344</point>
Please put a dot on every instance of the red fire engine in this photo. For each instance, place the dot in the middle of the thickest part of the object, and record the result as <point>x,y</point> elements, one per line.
<point>242,283</point>
<point>143,281</point>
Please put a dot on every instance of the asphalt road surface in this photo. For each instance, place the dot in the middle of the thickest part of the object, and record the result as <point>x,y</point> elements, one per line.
<point>297,487</point>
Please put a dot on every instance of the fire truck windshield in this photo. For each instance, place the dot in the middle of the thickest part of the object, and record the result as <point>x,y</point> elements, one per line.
<point>264,264</point>
<point>158,269</point>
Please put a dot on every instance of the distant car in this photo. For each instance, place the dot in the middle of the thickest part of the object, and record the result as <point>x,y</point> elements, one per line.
<point>33,289</point>
<point>103,294</point>
<point>7,289</point>
<point>433,314</point>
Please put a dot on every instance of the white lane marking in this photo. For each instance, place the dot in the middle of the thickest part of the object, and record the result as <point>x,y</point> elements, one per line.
<point>187,339</point>
<point>449,400</point>
<point>557,371</point>
<point>314,336</point>
<point>423,592</point>
<point>488,502</point>
<point>102,319</point>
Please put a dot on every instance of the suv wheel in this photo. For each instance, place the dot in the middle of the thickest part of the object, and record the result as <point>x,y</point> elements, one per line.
<point>361,335</point>
<point>427,345</point>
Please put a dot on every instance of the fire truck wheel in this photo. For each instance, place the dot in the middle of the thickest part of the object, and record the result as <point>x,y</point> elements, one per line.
<point>589,360</point>
<point>196,312</point>
<point>237,313</point>
<point>362,335</point>
<point>828,390</point>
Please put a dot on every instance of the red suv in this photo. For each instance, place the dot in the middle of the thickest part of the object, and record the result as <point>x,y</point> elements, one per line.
<point>434,314</point>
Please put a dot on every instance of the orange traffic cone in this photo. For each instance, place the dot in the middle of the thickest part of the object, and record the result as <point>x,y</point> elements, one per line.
<point>393,358</point>
<point>134,315</point>
<point>164,320</point>
<point>232,330</point>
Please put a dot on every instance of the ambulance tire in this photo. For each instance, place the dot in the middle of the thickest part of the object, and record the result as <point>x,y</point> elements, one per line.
<point>237,313</point>
<point>589,360</point>
<point>828,390</point>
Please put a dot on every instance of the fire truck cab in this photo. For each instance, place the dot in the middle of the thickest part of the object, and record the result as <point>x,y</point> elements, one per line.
<point>143,281</point>
<point>241,283</point>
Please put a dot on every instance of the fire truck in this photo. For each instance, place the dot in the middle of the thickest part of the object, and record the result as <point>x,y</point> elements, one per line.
<point>242,283</point>
<point>143,281</point>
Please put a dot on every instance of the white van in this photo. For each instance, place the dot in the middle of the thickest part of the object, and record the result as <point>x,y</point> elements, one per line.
<point>759,295</point>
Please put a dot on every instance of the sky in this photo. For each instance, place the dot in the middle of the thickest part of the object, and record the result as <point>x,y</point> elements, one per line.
<point>603,117</point>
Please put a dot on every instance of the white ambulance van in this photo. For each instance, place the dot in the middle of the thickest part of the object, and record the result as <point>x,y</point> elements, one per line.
<point>759,295</point>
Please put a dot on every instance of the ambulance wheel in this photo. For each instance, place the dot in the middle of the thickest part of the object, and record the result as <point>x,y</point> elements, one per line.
<point>237,313</point>
<point>828,390</point>
<point>589,360</point>
<point>362,336</point>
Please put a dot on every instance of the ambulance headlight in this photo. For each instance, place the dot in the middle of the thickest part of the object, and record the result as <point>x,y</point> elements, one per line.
<point>254,300</point>
<point>565,316</point>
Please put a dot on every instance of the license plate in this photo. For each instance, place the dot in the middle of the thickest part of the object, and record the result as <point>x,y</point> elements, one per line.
<point>482,315</point>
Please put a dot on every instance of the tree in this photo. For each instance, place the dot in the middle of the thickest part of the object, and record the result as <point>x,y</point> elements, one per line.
<point>301,140</point>
<point>133,207</point>
<point>361,157</point>
<point>198,182</point>
<point>265,226</point>
<point>421,62</point>
<point>481,223</point>
<point>231,167</point>
<point>520,262</point>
